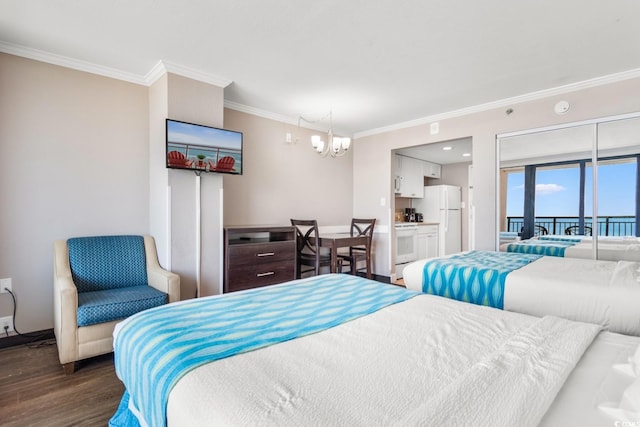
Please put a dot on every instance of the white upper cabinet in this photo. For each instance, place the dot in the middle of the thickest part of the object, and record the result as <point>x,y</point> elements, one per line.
<point>431,170</point>
<point>409,177</point>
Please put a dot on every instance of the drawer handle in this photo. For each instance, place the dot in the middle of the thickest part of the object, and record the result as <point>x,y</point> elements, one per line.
<point>268,273</point>
<point>267,254</point>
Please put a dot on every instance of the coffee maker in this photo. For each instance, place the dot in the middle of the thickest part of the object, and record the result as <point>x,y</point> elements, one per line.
<point>409,214</point>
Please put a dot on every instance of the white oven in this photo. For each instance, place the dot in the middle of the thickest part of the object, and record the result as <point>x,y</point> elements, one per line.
<point>406,246</point>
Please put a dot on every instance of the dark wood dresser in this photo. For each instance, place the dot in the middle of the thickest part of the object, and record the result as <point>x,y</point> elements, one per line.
<point>258,256</point>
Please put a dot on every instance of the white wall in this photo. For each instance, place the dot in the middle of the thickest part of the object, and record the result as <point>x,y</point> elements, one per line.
<point>73,162</point>
<point>281,181</point>
<point>159,192</point>
<point>372,154</point>
<point>195,241</point>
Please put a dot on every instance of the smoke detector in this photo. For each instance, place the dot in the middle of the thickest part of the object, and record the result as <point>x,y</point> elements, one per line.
<point>561,107</point>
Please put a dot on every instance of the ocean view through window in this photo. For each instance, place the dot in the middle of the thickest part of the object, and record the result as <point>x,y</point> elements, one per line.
<point>557,198</point>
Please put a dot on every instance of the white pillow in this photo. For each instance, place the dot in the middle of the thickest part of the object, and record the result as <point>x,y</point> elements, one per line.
<point>633,367</point>
<point>631,399</point>
<point>629,407</point>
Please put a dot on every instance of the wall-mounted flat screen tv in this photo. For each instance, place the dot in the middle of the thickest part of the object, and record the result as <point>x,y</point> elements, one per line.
<point>202,148</point>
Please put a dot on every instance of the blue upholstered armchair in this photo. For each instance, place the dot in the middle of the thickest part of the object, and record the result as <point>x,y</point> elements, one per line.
<point>98,281</point>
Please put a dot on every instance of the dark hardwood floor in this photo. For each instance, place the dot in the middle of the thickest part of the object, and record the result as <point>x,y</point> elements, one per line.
<point>34,391</point>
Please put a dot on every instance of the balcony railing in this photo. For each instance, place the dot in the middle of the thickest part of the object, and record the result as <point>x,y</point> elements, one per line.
<point>607,225</point>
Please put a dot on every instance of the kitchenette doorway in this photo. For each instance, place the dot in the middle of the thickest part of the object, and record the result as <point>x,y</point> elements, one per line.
<point>439,163</point>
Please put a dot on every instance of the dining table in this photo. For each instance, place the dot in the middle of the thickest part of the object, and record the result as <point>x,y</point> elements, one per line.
<point>334,241</point>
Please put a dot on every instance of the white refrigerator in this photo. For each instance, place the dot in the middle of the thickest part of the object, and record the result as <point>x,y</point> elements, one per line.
<point>441,204</point>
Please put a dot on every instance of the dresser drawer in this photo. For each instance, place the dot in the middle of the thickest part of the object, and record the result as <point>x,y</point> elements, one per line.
<point>258,256</point>
<point>257,275</point>
<point>247,255</point>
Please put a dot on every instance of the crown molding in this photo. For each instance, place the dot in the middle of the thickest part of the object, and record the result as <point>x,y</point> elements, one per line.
<point>154,74</point>
<point>560,90</point>
<point>163,67</point>
<point>273,116</point>
<point>65,61</point>
<point>260,113</point>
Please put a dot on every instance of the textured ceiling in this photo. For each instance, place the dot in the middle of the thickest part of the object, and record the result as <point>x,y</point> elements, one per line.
<point>373,63</point>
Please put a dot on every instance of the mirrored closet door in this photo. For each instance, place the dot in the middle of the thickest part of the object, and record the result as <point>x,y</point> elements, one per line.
<point>576,184</point>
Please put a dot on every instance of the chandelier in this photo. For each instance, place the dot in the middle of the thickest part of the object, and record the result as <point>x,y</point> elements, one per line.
<point>335,146</point>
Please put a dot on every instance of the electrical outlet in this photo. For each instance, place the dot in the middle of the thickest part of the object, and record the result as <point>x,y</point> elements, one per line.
<point>5,284</point>
<point>6,321</point>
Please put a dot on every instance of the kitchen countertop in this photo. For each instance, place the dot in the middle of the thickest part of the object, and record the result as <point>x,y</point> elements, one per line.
<point>418,223</point>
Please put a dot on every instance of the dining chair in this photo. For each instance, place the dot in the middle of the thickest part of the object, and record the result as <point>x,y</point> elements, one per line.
<point>359,227</point>
<point>574,229</point>
<point>541,230</point>
<point>308,247</point>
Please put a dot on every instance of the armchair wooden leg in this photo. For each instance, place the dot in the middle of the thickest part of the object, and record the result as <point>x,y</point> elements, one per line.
<point>69,368</point>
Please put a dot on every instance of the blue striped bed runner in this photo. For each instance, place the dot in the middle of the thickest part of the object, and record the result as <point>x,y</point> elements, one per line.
<point>541,247</point>
<point>476,277</point>
<point>155,348</point>
<point>560,238</point>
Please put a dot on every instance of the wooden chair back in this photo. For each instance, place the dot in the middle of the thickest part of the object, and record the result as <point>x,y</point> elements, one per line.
<point>307,245</point>
<point>362,227</point>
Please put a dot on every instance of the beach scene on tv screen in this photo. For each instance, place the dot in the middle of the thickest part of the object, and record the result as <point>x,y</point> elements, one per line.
<point>203,148</point>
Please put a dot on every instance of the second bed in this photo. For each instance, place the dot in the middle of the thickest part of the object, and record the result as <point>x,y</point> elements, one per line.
<point>602,292</point>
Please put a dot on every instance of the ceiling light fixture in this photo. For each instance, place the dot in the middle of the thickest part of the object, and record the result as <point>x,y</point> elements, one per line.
<point>336,146</point>
<point>447,148</point>
<point>466,154</point>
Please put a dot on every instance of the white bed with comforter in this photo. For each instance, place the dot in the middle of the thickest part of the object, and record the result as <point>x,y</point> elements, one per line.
<point>607,250</point>
<point>602,292</point>
<point>415,360</point>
